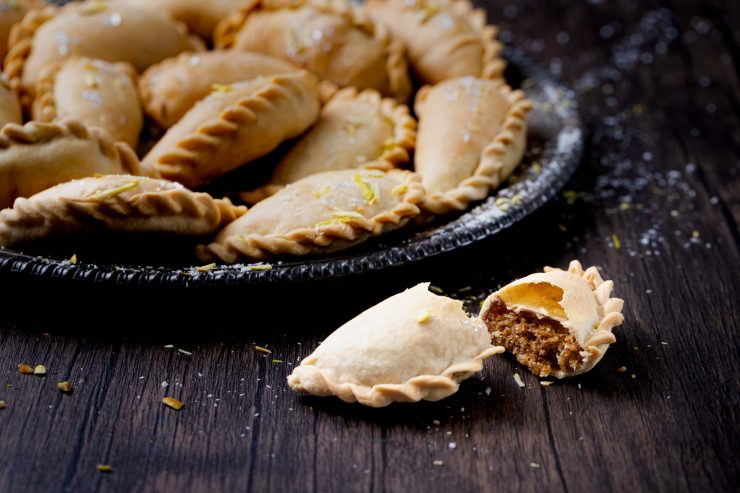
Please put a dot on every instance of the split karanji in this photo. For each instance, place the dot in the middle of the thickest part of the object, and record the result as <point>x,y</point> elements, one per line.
<point>417,345</point>
<point>322,90</point>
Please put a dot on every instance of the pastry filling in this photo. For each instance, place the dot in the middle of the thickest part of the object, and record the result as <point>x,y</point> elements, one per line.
<point>542,344</point>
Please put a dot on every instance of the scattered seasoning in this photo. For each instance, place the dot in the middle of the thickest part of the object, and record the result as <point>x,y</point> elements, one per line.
<point>222,88</point>
<point>260,267</point>
<point>438,463</point>
<point>93,8</point>
<point>2,404</point>
<point>65,386</point>
<point>423,316</point>
<point>168,346</point>
<point>435,289</point>
<point>186,353</point>
<point>633,376</point>
<point>205,268</point>
<point>370,196</point>
<point>664,343</point>
<point>173,403</point>
<point>277,361</point>
<point>25,369</point>
<point>435,422</point>
<point>518,380</point>
<point>73,259</point>
<point>39,370</point>
<point>622,369</point>
<point>563,228</point>
<point>615,240</point>
<point>112,192</point>
<point>546,383</point>
<point>694,234</point>
<point>104,468</point>
<point>262,349</point>
<point>534,465</point>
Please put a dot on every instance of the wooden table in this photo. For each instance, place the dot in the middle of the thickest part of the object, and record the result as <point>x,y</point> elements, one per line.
<point>655,204</point>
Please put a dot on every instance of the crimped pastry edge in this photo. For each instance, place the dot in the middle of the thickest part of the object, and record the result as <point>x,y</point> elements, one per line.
<point>395,153</point>
<point>598,342</point>
<point>422,387</point>
<point>180,163</point>
<point>29,213</point>
<point>320,238</point>
<point>498,159</point>
<point>396,65</point>
<point>37,132</point>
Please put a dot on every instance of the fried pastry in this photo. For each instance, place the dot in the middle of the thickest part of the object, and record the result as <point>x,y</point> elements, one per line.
<point>335,40</point>
<point>169,89</point>
<point>110,31</point>
<point>234,125</point>
<point>444,39</point>
<point>118,203</point>
<point>10,107</point>
<point>355,129</point>
<point>321,213</point>
<point>201,16</point>
<point>558,323</point>
<point>11,12</point>
<point>413,346</point>
<point>97,93</point>
<point>36,156</point>
<point>472,135</point>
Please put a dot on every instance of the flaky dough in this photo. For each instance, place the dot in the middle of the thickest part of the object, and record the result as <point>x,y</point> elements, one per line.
<point>413,346</point>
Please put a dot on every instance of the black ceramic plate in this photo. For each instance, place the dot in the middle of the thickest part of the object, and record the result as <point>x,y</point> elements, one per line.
<point>554,151</point>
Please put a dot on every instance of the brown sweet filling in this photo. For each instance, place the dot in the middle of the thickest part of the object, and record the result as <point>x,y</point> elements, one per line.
<point>542,344</point>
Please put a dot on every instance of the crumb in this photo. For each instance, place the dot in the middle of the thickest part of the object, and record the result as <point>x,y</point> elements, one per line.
<point>173,403</point>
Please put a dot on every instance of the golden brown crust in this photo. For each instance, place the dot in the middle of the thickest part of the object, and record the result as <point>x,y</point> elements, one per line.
<point>172,87</point>
<point>396,66</point>
<point>324,236</point>
<point>497,160</point>
<point>20,44</point>
<point>118,203</point>
<point>441,51</point>
<point>39,155</point>
<point>128,120</point>
<point>395,152</point>
<point>198,155</point>
<point>133,47</point>
<point>200,16</point>
<point>10,107</point>
<point>11,12</point>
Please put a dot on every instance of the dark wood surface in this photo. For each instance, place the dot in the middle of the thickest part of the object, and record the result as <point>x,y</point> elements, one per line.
<point>655,205</point>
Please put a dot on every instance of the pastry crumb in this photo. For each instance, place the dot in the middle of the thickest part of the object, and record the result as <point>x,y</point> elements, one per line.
<point>65,386</point>
<point>173,403</point>
<point>25,369</point>
<point>622,369</point>
<point>39,370</point>
<point>2,404</point>
<point>205,268</point>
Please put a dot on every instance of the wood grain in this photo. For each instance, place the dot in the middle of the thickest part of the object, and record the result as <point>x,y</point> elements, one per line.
<point>658,84</point>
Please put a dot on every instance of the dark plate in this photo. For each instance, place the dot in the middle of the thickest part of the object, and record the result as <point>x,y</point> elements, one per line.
<point>554,151</point>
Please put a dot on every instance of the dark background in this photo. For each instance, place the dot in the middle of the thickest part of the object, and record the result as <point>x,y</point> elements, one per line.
<point>655,205</point>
